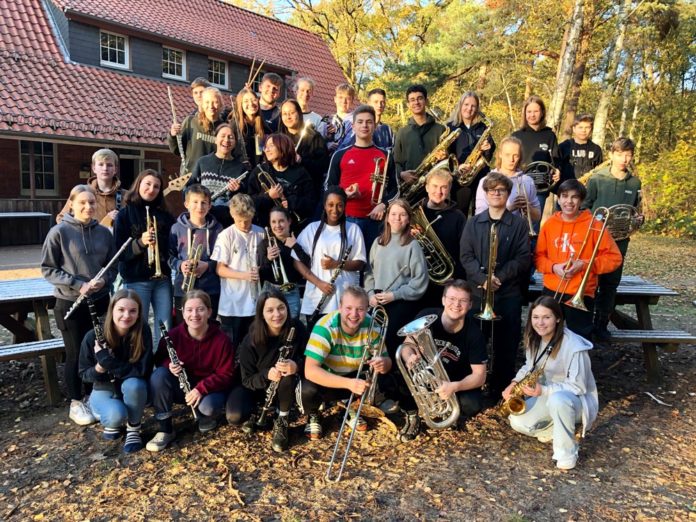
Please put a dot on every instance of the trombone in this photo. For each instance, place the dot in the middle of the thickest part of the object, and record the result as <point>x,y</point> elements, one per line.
<point>153,254</point>
<point>487,314</point>
<point>601,214</point>
<point>378,328</point>
<point>277,266</point>
<point>379,179</point>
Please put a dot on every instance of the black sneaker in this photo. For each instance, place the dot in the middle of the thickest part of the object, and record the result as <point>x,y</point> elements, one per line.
<point>249,426</point>
<point>411,428</point>
<point>206,423</point>
<point>280,440</point>
<point>601,334</point>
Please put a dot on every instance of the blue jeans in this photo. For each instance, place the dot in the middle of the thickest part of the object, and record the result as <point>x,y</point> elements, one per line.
<point>165,390</point>
<point>157,292</point>
<point>369,228</point>
<point>113,412</point>
<point>562,410</point>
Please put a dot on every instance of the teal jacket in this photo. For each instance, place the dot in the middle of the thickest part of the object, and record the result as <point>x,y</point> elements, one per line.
<point>604,190</point>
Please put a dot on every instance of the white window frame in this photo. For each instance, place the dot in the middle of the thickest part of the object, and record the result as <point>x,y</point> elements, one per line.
<point>256,84</point>
<point>126,49</point>
<point>39,192</point>
<point>183,64</point>
<point>215,84</point>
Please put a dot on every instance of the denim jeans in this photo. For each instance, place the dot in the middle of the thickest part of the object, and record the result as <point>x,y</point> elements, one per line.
<point>157,292</point>
<point>563,410</point>
<point>112,411</point>
<point>165,390</point>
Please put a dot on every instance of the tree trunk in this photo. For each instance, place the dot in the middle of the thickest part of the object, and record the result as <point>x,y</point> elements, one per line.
<point>609,83</point>
<point>565,66</point>
<point>628,78</point>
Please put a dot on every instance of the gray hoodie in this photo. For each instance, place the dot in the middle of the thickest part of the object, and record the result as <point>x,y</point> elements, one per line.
<point>571,371</point>
<point>73,253</point>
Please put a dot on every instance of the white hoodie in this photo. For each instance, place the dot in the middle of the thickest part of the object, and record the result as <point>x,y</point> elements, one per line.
<point>570,370</point>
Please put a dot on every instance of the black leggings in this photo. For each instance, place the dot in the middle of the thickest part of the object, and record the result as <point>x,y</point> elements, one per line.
<point>242,402</point>
<point>73,331</point>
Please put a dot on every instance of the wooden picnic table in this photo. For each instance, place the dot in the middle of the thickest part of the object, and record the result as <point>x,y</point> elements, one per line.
<point>642,294</point>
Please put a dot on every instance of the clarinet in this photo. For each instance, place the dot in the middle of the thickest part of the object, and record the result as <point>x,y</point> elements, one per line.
<point>98,329</point>
<point>334,276</point>
<point>285,352</point>
<point>174,359</point>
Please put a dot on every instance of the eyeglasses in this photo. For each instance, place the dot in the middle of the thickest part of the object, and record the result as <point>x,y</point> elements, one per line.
<point>497,191</point>
<point>454,300</point>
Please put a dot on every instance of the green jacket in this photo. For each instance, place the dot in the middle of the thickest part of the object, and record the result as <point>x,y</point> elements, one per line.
<point>414,142</point>
<point>604,190</point>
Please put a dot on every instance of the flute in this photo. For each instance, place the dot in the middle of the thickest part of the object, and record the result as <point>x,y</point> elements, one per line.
<point>179,140</point>
<point>82,297</point>
<point>222,191</point>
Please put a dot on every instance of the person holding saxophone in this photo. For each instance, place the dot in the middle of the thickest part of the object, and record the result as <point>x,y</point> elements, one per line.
<point>499,226</point>
<point>564,394</point>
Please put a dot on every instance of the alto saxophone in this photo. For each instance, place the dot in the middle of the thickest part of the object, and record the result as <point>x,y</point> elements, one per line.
<point>515,404</point>
<point>474,163</point>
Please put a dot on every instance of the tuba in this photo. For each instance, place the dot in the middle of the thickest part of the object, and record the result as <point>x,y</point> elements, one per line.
<point>427,374</point>
<point>440,264</point>
<point>411,191</point>
<point>190,278</point>
<point>623,221</point>
<point>474,163</point>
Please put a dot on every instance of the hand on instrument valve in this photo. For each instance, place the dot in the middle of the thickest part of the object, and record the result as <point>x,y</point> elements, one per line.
<point>408,176</point>
<point>380,364</point>
<point>518,203</point>
<point>193,398</point>
<point>446,389</point>
<point>377,213</point>
<point>532,391</point>
<point>326,288</point>
<point>273,252</point>
<point>329,263</point>
<point>507,391</point>
<point>486,145</point>
<point>495,283</point>
<point>411,359</point>
<point>274,375</point>
<point>285,368</point>
<point>252,275</point>
<point>91,286</point>
<point>276,192</point>
<point>175,129</point>
<point>440,155</point>
<point>233,185</point>
<point>148,237</point>
<point>353,191</point>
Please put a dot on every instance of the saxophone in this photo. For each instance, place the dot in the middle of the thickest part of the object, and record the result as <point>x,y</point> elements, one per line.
<point>410,191</point>
<point>467,171</point>
<point>515,404</point>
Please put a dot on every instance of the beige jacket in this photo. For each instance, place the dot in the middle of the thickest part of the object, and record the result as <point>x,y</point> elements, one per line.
<point>106,202</point>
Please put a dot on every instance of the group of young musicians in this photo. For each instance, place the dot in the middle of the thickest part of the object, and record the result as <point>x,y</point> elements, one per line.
<point>287,215</point>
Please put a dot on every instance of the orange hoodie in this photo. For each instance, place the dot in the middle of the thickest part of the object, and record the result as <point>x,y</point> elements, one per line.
<point>559,238</point>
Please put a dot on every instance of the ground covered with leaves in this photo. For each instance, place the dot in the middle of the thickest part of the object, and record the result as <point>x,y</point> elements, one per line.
<point>636,464</point>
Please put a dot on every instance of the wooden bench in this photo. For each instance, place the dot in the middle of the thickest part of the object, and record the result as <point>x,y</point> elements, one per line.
<point>650,340</point>
<point>47,350</point>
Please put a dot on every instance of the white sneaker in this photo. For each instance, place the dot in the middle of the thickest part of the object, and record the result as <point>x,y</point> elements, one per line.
<point>160,441</point>
<point>567,464</point>
<point>545,435</point>
<point>80,413</point>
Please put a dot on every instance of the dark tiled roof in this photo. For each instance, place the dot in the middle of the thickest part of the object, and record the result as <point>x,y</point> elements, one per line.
<point>41,94</point>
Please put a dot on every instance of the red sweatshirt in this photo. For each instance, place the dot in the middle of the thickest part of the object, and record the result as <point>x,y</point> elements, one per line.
<point>559,238</point>
<point>209,362</point>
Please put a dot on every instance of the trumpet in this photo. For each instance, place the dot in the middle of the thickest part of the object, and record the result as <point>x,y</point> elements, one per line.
<point>277,266</point>
<point>601,214</point>
<point>266,182</point>
<point>190,278</point>
<point>411,190</point>
<point>474,163</point>
<point>379,179</point>
<point>377,330</point>
<point>487,314</point>
<point>427,375</point>
<point>153,254</point>
<point>440,264</point>
<point>526,211</point>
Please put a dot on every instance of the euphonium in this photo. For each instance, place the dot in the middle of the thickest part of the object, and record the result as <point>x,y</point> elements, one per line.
<point>190,278</point>
<point>474,163</point>
<point>600,214</point>
<point>515,404</point>
<point>427,374</point>
<point>440,264</point>
<point>410,191</point>
<point>487,314</point>
<point>379,179</point>
<point>153,254</point>
<point>377,331</point>
<point>527,210</point>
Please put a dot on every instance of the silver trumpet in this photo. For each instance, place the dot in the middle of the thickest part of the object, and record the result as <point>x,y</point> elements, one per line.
<point>277,265</point>
<point>427,374</point>
<point>377,331</point>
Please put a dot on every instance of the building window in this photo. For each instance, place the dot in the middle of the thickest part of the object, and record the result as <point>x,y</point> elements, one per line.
<point>256,84</point>
<point>38,159</point>
<point>113,50</point>
<point>173,63</point>
<point>217,73</point>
